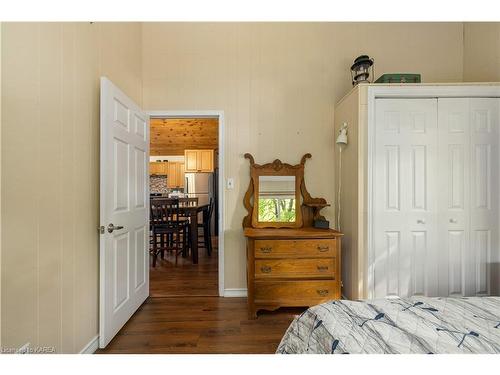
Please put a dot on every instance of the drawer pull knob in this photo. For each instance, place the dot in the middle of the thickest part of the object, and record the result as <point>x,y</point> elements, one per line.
<point>322,268</point>
<point>322,249</point>
<point>265,269</point>
<point>266,249</point>
<point>322,292</point>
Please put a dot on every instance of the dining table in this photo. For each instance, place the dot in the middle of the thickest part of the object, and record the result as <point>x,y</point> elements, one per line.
<point>191,210</point>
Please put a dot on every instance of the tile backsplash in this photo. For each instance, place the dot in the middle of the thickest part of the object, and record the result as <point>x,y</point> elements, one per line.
<point>158,184</point>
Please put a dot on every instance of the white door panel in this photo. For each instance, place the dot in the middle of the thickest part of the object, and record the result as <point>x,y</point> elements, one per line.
<point>454,193</point>
<point>468,200</point>
<point>484,218</point>
<point>124,252</point>
<point>404,200</point>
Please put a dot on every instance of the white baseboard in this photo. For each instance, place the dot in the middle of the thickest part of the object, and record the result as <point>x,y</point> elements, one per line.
<point>91,347</point>
<point>235,292</point>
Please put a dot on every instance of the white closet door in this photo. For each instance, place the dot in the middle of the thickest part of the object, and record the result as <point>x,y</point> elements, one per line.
<point>484,219</point>
<point>404,259</point>
<point>453,194</point>
<point>468,194</point>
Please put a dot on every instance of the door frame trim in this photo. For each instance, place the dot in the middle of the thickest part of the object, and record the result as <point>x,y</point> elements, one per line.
<point>220,116</point>
<point>404,91</point>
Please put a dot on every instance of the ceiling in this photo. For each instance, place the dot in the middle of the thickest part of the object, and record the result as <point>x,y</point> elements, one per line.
<point>173,136</point>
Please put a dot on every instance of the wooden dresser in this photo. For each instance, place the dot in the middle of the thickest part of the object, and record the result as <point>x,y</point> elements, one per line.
<point>290,262</point>
<point>291,267</point>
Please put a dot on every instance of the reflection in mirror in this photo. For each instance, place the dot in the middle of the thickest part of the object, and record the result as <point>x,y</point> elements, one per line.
<point>277,199</point>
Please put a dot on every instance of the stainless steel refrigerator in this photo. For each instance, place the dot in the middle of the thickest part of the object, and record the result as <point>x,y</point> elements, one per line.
<point>203,186</point>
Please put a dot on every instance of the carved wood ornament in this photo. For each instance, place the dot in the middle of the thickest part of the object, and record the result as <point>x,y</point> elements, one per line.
<point>307,209</point>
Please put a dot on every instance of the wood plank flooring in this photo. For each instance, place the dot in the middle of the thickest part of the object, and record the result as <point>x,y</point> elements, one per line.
<point>184,315</point>
<point>200,325</point>
<point>185,278</point>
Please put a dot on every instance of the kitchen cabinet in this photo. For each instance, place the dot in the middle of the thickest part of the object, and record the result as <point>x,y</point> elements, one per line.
<point>158,168</point>
<point>191,160</point>
<point>175,175</point>
<point>199,160</point>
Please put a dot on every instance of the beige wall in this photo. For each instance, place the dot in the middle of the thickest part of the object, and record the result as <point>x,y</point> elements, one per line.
<point>50,174</point>
<point>481,52</point>
<point>0,185</point>
<point>277,84</point>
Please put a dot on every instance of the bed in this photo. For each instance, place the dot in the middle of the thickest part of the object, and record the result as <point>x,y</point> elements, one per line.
<point>401,325</point>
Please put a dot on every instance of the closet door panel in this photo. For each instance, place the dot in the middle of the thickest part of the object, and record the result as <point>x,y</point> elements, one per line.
<point>454,194</point>
<point>483,252</point>
<point>468,201</point>
<point>404,197</point>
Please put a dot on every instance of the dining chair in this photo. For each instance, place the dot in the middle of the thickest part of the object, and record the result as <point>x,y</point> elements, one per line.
<point>189,201</point>
<point>206,227</point>
<point>169,229</point>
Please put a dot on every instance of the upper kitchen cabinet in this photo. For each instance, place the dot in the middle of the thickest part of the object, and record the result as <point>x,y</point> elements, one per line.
<point>191,160</point>
<point>175,178</point>
<point>159,168</point>
<point>199,160</point>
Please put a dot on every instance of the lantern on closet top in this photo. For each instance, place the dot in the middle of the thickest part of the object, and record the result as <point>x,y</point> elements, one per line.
<point>361,70</point>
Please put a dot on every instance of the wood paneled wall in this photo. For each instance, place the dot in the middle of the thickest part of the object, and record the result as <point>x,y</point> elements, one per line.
<point>50,174</point>
<point>173,136</point>
<point>277,84</point>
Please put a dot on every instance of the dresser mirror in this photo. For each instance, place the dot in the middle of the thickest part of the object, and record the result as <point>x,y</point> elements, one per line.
<point>274,198</point>
<point>277,201</point>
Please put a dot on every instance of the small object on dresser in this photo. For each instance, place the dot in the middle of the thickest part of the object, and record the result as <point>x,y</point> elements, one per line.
<point>399,78</point>
<point>321,223</point>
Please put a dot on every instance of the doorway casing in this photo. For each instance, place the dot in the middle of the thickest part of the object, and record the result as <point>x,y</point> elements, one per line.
<point>220,235</point>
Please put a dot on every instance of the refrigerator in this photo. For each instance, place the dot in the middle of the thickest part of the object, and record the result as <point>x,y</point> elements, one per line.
<point>203,186</point>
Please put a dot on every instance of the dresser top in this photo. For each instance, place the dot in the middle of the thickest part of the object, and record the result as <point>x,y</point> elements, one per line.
<point>284,233</point>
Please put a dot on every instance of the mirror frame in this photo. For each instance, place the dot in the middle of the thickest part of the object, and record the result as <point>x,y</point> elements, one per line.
<point>276,168</point>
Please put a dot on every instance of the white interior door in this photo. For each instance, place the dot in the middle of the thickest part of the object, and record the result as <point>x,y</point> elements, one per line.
<point>468,194</point>
<point>404,198</point>
<point>484,252</point>
<point>124,215</point>
<point>454,194</point>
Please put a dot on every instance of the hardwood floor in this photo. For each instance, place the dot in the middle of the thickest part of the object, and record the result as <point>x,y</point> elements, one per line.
<point>184,315</point>
<point>185,278</point>
<point>200,325</point>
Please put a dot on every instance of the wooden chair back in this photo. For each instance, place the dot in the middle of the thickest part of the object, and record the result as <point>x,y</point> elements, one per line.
<point>210,209</point>
<point>189,201</point>
<point>165,211</point>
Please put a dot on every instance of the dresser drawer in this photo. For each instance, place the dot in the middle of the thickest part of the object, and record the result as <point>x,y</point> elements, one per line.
<point>296,293</point>
<point>313,248</point>
<point>294,268</point>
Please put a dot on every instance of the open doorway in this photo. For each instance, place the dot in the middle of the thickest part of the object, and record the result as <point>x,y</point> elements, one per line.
<point>185,204</point>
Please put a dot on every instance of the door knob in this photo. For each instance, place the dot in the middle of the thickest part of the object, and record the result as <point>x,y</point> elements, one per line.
<point>112,227</point>
<point>453,221</point>
<point>420,221</point>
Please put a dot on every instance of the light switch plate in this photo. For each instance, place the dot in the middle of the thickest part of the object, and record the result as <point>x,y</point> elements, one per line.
<point>230,183</point>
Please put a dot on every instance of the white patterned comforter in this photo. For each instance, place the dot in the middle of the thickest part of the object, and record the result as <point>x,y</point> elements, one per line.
<point>409,325</point>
